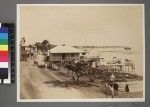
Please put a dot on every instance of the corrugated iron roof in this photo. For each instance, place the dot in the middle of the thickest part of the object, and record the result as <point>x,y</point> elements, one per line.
<point>64,49</point>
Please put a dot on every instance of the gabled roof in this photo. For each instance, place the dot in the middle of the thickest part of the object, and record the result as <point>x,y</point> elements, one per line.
<point>64,49</point>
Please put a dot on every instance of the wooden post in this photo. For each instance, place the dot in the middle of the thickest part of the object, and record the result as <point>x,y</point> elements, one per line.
<point>70,57</point>
<point>61,57</point>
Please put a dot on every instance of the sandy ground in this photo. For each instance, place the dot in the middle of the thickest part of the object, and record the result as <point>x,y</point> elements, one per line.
<point>36,83</point>
<point>41,83</point>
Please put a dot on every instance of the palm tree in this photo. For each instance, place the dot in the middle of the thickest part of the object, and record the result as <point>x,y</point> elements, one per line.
<point>39,46</point>
<point>23,41</point>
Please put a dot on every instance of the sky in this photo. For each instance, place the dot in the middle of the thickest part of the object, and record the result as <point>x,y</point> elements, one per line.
<point>83,25</point>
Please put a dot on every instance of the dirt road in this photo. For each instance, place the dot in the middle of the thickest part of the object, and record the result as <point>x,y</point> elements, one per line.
<point>40,83</point>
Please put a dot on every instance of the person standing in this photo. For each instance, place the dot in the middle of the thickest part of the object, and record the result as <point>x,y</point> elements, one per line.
<point>112,90</point>
<point>127,88</point>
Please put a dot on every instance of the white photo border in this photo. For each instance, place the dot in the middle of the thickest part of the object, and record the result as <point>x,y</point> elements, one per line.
<point>77,100</point>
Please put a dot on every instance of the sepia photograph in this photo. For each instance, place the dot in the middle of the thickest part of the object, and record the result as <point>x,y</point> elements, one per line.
<point>80,52</point>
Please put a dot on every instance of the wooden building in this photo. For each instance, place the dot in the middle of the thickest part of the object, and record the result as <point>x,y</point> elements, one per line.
<point>64,53</point>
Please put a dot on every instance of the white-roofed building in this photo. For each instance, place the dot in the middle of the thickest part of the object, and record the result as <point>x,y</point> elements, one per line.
<point>62,53</point>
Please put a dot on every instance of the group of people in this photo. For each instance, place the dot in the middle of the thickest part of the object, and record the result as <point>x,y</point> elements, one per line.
<point>114,87</point>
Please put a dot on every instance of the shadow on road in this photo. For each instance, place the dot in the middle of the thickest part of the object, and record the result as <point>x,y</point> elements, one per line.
<point>68,84</point>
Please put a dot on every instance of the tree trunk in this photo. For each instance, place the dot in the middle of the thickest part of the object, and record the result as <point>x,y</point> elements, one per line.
<point>77,77</point>
<point>68,71</point>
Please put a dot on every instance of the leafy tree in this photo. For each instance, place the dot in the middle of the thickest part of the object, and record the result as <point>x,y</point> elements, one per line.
<point>78,68</point>
<point>38,45</point>
<point>44,45</point>
<point>45,42</point>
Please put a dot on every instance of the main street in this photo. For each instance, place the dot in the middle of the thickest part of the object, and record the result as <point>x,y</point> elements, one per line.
<point>41,83</point>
